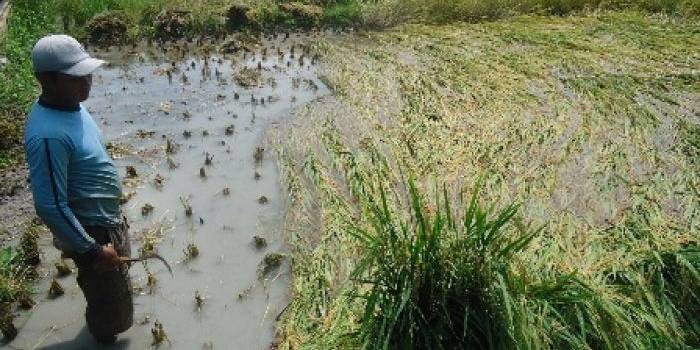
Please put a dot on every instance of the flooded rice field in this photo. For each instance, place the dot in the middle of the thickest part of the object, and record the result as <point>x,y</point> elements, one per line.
<point>186,125</point>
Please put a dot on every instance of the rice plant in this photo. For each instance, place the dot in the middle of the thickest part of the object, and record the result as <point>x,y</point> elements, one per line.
<point>563,116</point>
<point>15,276</point>
<point>432,278</point>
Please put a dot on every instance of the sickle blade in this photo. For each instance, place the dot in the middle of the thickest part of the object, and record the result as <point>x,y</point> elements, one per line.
<point>146,257</point>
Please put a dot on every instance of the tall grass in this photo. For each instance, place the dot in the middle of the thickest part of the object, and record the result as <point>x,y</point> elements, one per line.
<point>436,280</point>
<point>451,278</point>
<point>14,276</point>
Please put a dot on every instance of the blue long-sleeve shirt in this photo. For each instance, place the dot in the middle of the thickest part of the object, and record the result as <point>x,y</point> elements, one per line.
<point>74,181</point>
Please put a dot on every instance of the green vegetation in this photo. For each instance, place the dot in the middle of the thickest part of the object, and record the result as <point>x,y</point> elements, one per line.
<point>589,122</point>
<point>424,294</point>
<point>14,279</point>
<point>17,274</point>
<point>29,20</point>
<point>104,21</point>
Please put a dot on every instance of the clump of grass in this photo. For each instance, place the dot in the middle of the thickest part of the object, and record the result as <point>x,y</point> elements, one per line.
<point>62,268</point>
<point>25,301</point>
<point>108,28</point>
<point>436,282</point>
<point>126,197</point>
<point>199,300</point>
<point>191,252</point>
<point>131,172</point>
<point>186,204</point>
<point>270,263</point>
<point>159,335</point>
<point>342,14</point>
<point>151,281</point>
<point>56,290</point>
<point>259,242</point>
<point>239,16</point>
<point>158,181</point>
<point>147,209</point>
<point>670,280</point>
<point>15,276</point>
<point>258,155</point>
<point>301,14</point>
<point>7,326</point>
<point>29,245</point>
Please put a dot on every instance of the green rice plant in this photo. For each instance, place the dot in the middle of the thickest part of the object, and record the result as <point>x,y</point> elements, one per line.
<point>342,14</point>
<point>14,275</point>
<point>438,280</point>
<point>79,12</point>
<point>667,284</point>
<point>432,278</point>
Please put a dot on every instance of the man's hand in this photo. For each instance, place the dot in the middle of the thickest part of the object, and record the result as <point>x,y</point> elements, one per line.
<point>108,260</point>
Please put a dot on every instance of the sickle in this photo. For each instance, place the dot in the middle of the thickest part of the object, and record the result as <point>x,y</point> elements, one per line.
<point>145,257</point>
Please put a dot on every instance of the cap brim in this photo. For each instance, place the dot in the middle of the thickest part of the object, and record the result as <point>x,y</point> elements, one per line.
<point>84,67</point>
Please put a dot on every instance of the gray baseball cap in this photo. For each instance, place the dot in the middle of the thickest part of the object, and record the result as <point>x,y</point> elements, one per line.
<point>64,54</point>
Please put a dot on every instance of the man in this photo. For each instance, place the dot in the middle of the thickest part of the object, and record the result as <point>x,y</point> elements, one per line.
<point>75,184</point>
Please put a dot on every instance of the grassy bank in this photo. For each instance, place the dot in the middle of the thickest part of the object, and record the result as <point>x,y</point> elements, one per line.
<point>590,123</point>
<point>29,20</point>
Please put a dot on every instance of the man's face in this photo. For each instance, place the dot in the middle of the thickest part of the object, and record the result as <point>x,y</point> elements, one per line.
<point>76,89</point>
<point>69,89</point>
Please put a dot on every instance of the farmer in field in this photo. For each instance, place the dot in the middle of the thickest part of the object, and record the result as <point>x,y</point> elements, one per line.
<point>75,184</point>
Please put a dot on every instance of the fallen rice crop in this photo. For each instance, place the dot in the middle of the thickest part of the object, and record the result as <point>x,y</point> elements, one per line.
<point>588,122</point>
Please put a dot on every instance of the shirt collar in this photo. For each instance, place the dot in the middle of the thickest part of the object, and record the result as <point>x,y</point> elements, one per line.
<point>45,104</point>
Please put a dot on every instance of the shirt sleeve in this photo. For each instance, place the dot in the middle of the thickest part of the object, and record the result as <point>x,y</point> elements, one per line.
<point>48,169</point>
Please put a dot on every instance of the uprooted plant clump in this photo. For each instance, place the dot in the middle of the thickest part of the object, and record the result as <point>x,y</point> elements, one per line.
<point>108,28</point>
<point>239,16</point>
<point>248,77</point>
<point>172,24</point>
<point>191,252</point>
<point>7,326</point>
<point>303,14</point>
<point>270,263</point>
<point>56,289</point>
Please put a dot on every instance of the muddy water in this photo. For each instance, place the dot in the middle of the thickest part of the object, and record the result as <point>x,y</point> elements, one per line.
<point>141,110</point>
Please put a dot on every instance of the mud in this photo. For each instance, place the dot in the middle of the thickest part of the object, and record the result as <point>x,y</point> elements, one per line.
<point>16,206</point>
<point>203,225</point>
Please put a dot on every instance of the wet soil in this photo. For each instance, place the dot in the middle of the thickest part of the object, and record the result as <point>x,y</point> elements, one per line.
<point>16,206</point>
<point>196,141</point>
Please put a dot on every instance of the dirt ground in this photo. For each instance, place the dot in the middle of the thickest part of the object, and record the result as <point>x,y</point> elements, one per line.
<point>16,208</point>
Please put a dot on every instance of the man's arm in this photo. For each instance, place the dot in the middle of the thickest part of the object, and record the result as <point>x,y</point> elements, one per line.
<point>48,169</point>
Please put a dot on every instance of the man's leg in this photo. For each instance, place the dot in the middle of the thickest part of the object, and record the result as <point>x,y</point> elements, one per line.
<point>110,309</point>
